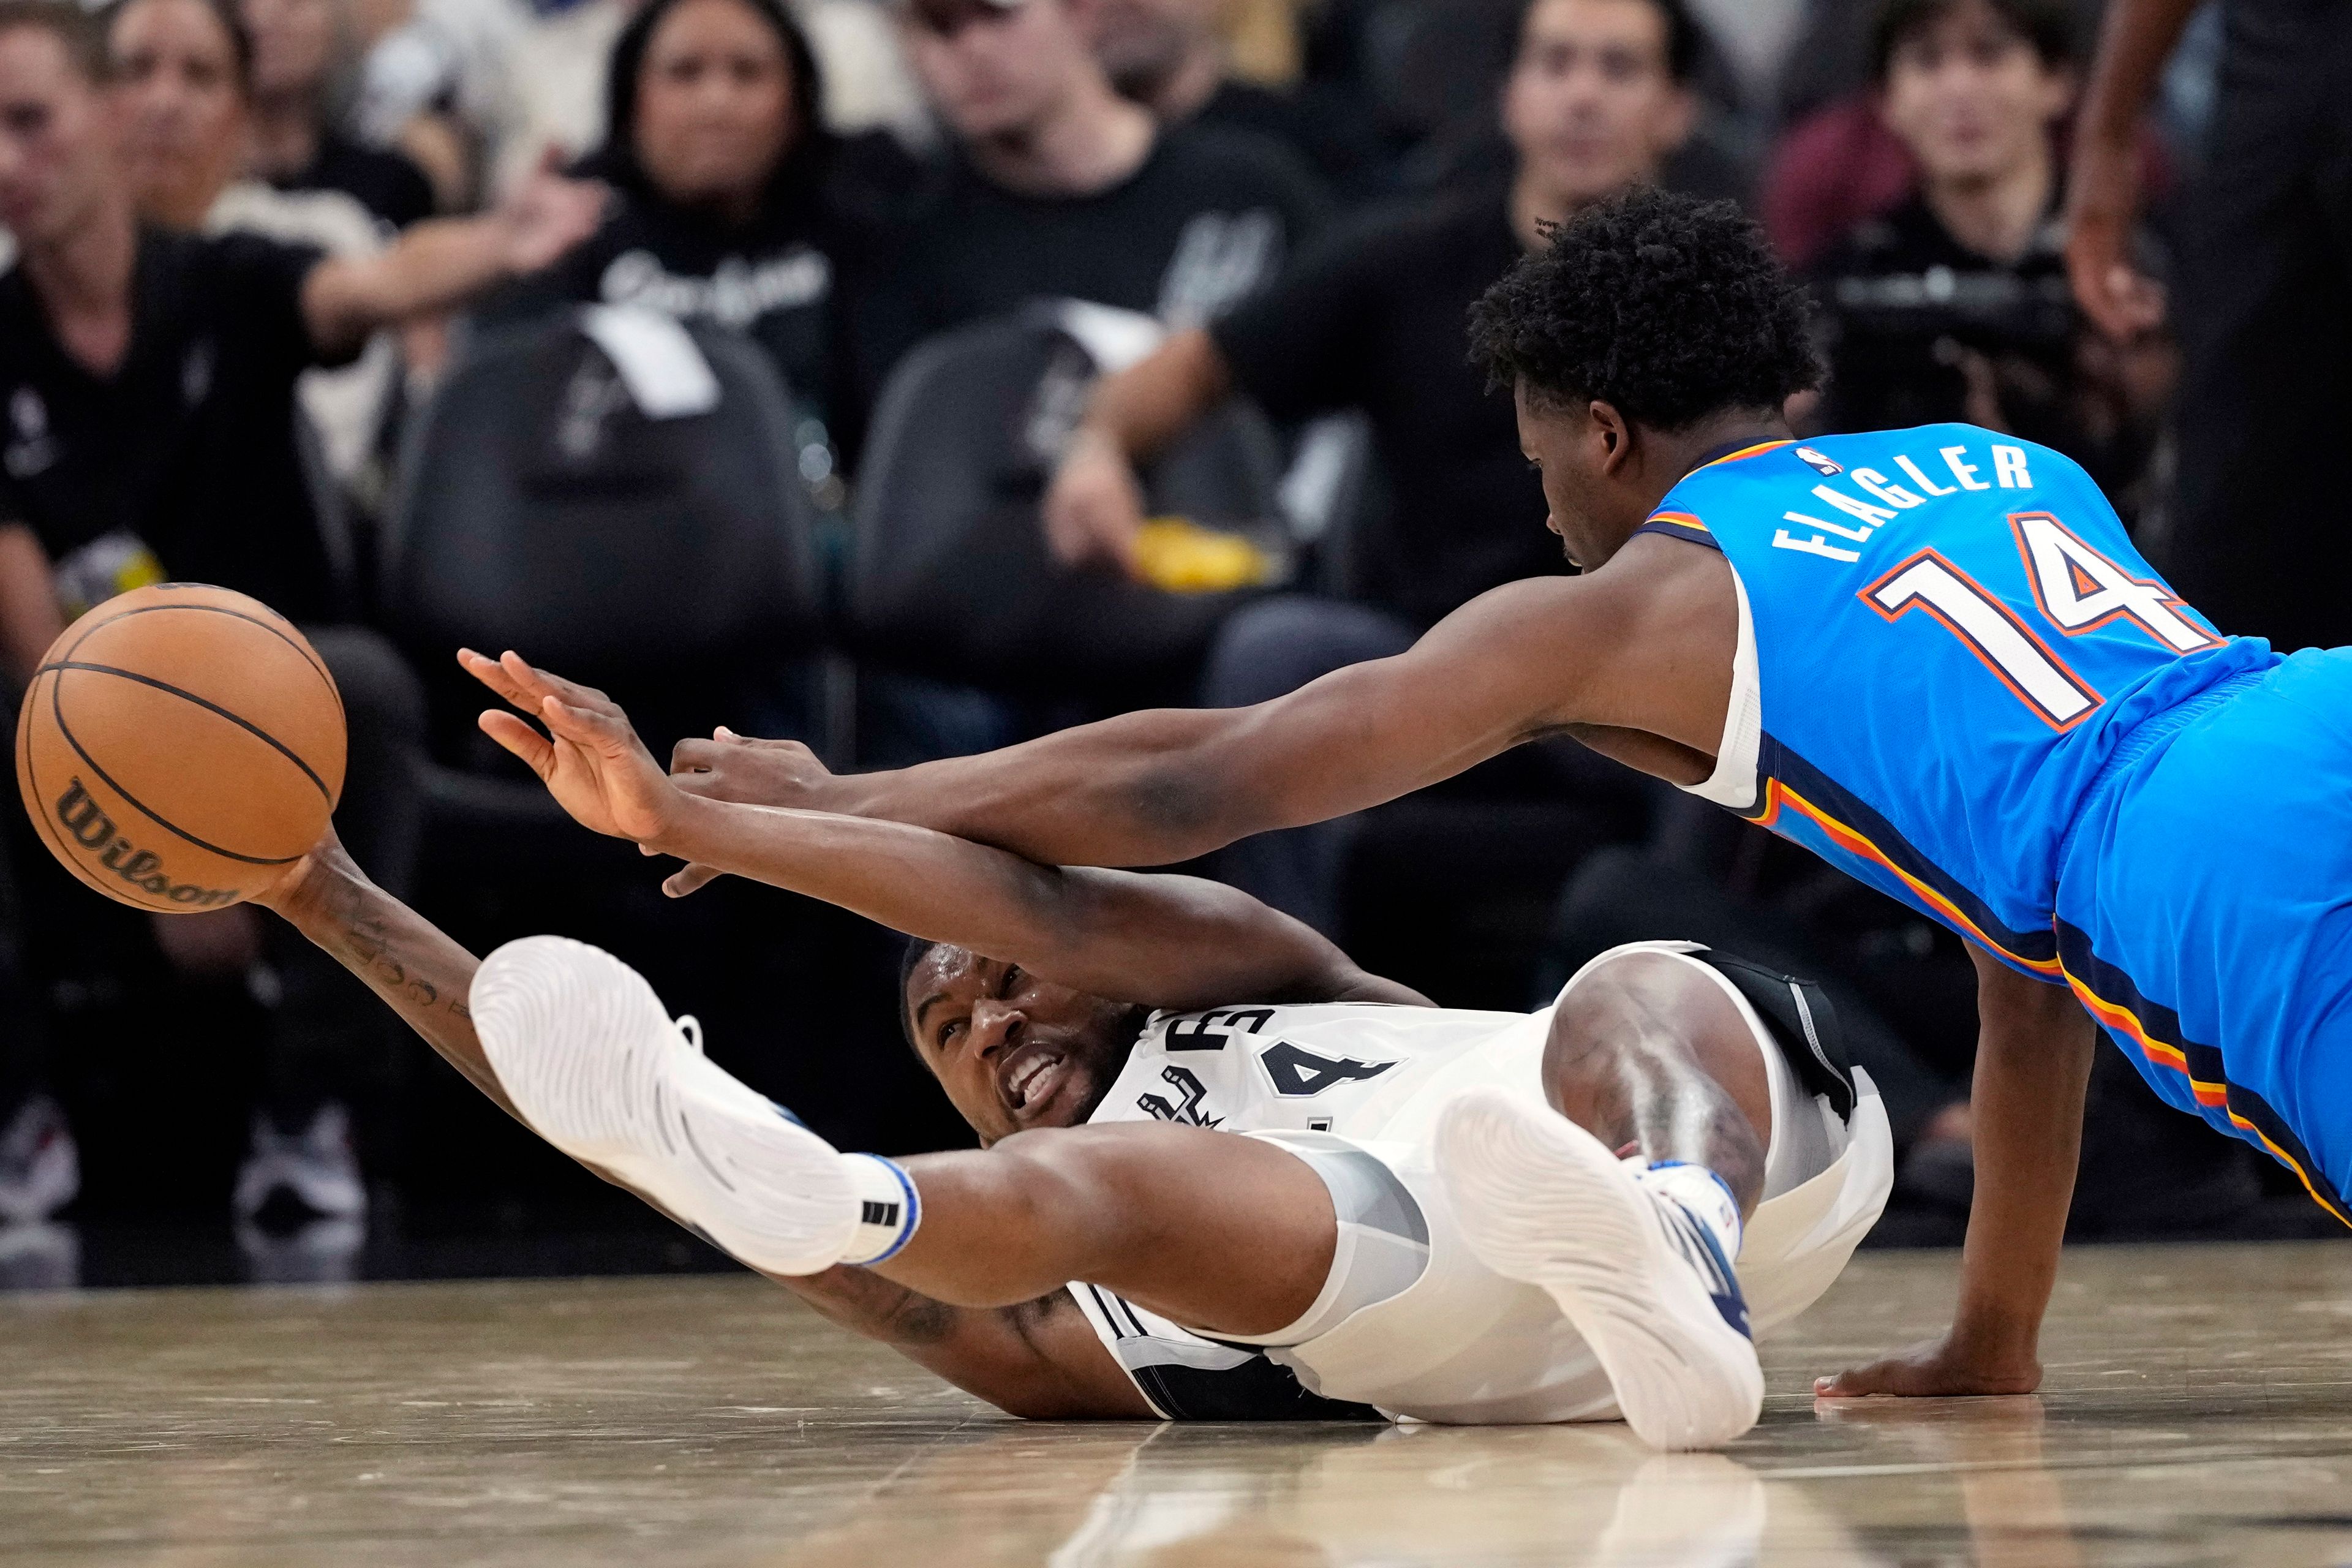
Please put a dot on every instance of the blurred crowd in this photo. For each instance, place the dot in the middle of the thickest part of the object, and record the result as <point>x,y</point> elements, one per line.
<point>909,376</point>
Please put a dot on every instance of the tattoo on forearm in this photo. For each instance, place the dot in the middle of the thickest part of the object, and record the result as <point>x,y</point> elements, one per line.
<point>371,945</point>
<point>873,1306</point>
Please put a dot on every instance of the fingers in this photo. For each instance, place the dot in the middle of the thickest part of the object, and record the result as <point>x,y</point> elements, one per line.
<point>1855,1382</point>
<point>493,674</point>
<point>607,733</point>
<point>692,879</point>
<point>545,683</point>
<point>527,686</point>
<point>536,752</point>
<point>692,756</point>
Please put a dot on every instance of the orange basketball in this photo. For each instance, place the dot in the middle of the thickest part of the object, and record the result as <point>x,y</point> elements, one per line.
<point>180,747</point>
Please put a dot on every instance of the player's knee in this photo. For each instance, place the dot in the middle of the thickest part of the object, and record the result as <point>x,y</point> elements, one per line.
<point>1626,1002</point>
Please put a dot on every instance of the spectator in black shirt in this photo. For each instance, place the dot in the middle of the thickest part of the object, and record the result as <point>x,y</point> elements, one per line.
<point>729,209</point>
<point>1170,56</point>
<point>1058,187</point>
<point>296,144</point>
<point>1955,305</point>
<point>147,428</point>
<point>1372,317</point>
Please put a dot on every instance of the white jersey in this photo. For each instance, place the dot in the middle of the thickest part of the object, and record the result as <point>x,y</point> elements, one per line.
<point>1462,1343</point>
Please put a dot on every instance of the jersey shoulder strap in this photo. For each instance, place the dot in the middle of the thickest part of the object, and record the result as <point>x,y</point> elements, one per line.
<point>1803,1018</point>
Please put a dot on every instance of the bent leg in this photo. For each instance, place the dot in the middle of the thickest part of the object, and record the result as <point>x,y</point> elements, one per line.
<point>1226,1234</point>
<point>1646,1051</point>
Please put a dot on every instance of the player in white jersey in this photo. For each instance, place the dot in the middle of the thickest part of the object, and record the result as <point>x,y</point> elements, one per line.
<point>1460,1216</point>
<point>1418,1321</point>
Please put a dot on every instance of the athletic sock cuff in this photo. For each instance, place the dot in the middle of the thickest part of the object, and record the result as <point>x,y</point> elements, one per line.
<point>1706,1195</point>
<point>889,1208</point>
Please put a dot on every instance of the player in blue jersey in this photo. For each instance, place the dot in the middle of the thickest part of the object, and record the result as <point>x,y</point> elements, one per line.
<point>1932,656</point>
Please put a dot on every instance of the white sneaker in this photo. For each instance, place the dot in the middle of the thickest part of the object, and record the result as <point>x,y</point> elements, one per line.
<point>585,1050</point>
<point>40,1166</point>
<point>310,1176</point>
<point>1543,1201</point>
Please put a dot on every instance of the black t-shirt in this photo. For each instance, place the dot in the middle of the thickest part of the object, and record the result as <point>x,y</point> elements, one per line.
<point>1900,295</point>
<point>773,280</point>
<point>1374,316</point>
<point>1340,142</point>
<point>189,446</point>
<point>386,184</point>
<point>1209,215</point>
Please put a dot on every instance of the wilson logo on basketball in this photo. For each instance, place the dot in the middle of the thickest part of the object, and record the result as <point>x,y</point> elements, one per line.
<point>144,869</point>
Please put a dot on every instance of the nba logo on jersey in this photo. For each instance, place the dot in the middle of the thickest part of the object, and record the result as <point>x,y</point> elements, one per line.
<point>1828,467</point>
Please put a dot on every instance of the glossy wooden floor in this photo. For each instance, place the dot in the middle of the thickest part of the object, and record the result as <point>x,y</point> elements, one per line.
<point>2199,1411</point>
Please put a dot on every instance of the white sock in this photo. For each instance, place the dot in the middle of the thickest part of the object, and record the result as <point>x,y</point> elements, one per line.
<point>1702,1195</point>
<point>888,1206</point>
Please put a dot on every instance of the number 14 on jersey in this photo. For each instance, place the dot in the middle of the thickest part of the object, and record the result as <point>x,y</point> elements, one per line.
<point>2078,590</point>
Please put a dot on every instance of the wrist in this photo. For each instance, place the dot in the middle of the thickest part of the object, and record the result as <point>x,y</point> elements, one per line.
<point>685,827</point>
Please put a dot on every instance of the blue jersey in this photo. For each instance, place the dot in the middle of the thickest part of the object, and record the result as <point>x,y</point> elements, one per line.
<point>1944,635</point>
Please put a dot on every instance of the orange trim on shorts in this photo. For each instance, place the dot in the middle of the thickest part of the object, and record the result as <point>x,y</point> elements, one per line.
<point>2122,1019</point>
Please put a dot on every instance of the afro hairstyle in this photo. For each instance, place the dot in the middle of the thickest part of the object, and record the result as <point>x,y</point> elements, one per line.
<point>1666,307</point>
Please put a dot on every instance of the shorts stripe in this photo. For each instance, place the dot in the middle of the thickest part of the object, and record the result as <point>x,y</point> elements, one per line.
<point>2155,1029</point>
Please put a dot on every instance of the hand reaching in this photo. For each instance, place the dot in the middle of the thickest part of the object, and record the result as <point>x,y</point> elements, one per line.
<point>590,759</point>
<point>547,216</point>
<point>736,768</point>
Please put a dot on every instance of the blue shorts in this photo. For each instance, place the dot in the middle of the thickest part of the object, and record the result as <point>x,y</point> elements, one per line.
<point>2205,910</point>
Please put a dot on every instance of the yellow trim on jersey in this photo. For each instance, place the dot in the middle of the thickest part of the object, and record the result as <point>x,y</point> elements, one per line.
<point>1746,452</point>
<point>1681,519</point>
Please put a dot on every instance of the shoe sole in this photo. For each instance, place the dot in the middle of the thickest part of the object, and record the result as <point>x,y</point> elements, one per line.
<point>1541,1201</point>
<point>586,1051</point>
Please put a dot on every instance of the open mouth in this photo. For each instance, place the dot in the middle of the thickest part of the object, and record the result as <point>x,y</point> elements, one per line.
<point>1030,1079</point>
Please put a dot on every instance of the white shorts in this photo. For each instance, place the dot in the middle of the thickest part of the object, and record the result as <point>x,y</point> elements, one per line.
<point>1463,1344</point>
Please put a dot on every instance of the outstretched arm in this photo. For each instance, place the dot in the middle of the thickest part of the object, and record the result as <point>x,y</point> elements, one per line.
<point>441,264</point>
<point>2033,1067</point>
<point>1039,1358</point>
<point>1645,644</point>
<point>1162,941</point>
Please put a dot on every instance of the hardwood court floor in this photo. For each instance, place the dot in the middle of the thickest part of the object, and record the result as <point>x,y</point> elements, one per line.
<point>2198,1410</point>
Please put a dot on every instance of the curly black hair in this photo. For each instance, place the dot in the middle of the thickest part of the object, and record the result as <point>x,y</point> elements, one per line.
<point>1666,307</point>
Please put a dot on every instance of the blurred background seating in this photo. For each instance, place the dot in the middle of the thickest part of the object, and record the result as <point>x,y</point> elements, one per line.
<point>1055,357</point>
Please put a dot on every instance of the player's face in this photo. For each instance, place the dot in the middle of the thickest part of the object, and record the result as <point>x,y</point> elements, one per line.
<point>1581,461</point>
<point>714,104</point>
<point>179,101</point>
<point>57,150</point>
<point>1013,1051</point>
<point>1591,104</point>
<point>1969,96</point>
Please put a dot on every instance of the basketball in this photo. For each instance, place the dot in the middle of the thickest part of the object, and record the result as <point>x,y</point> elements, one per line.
<point>180,746</point>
